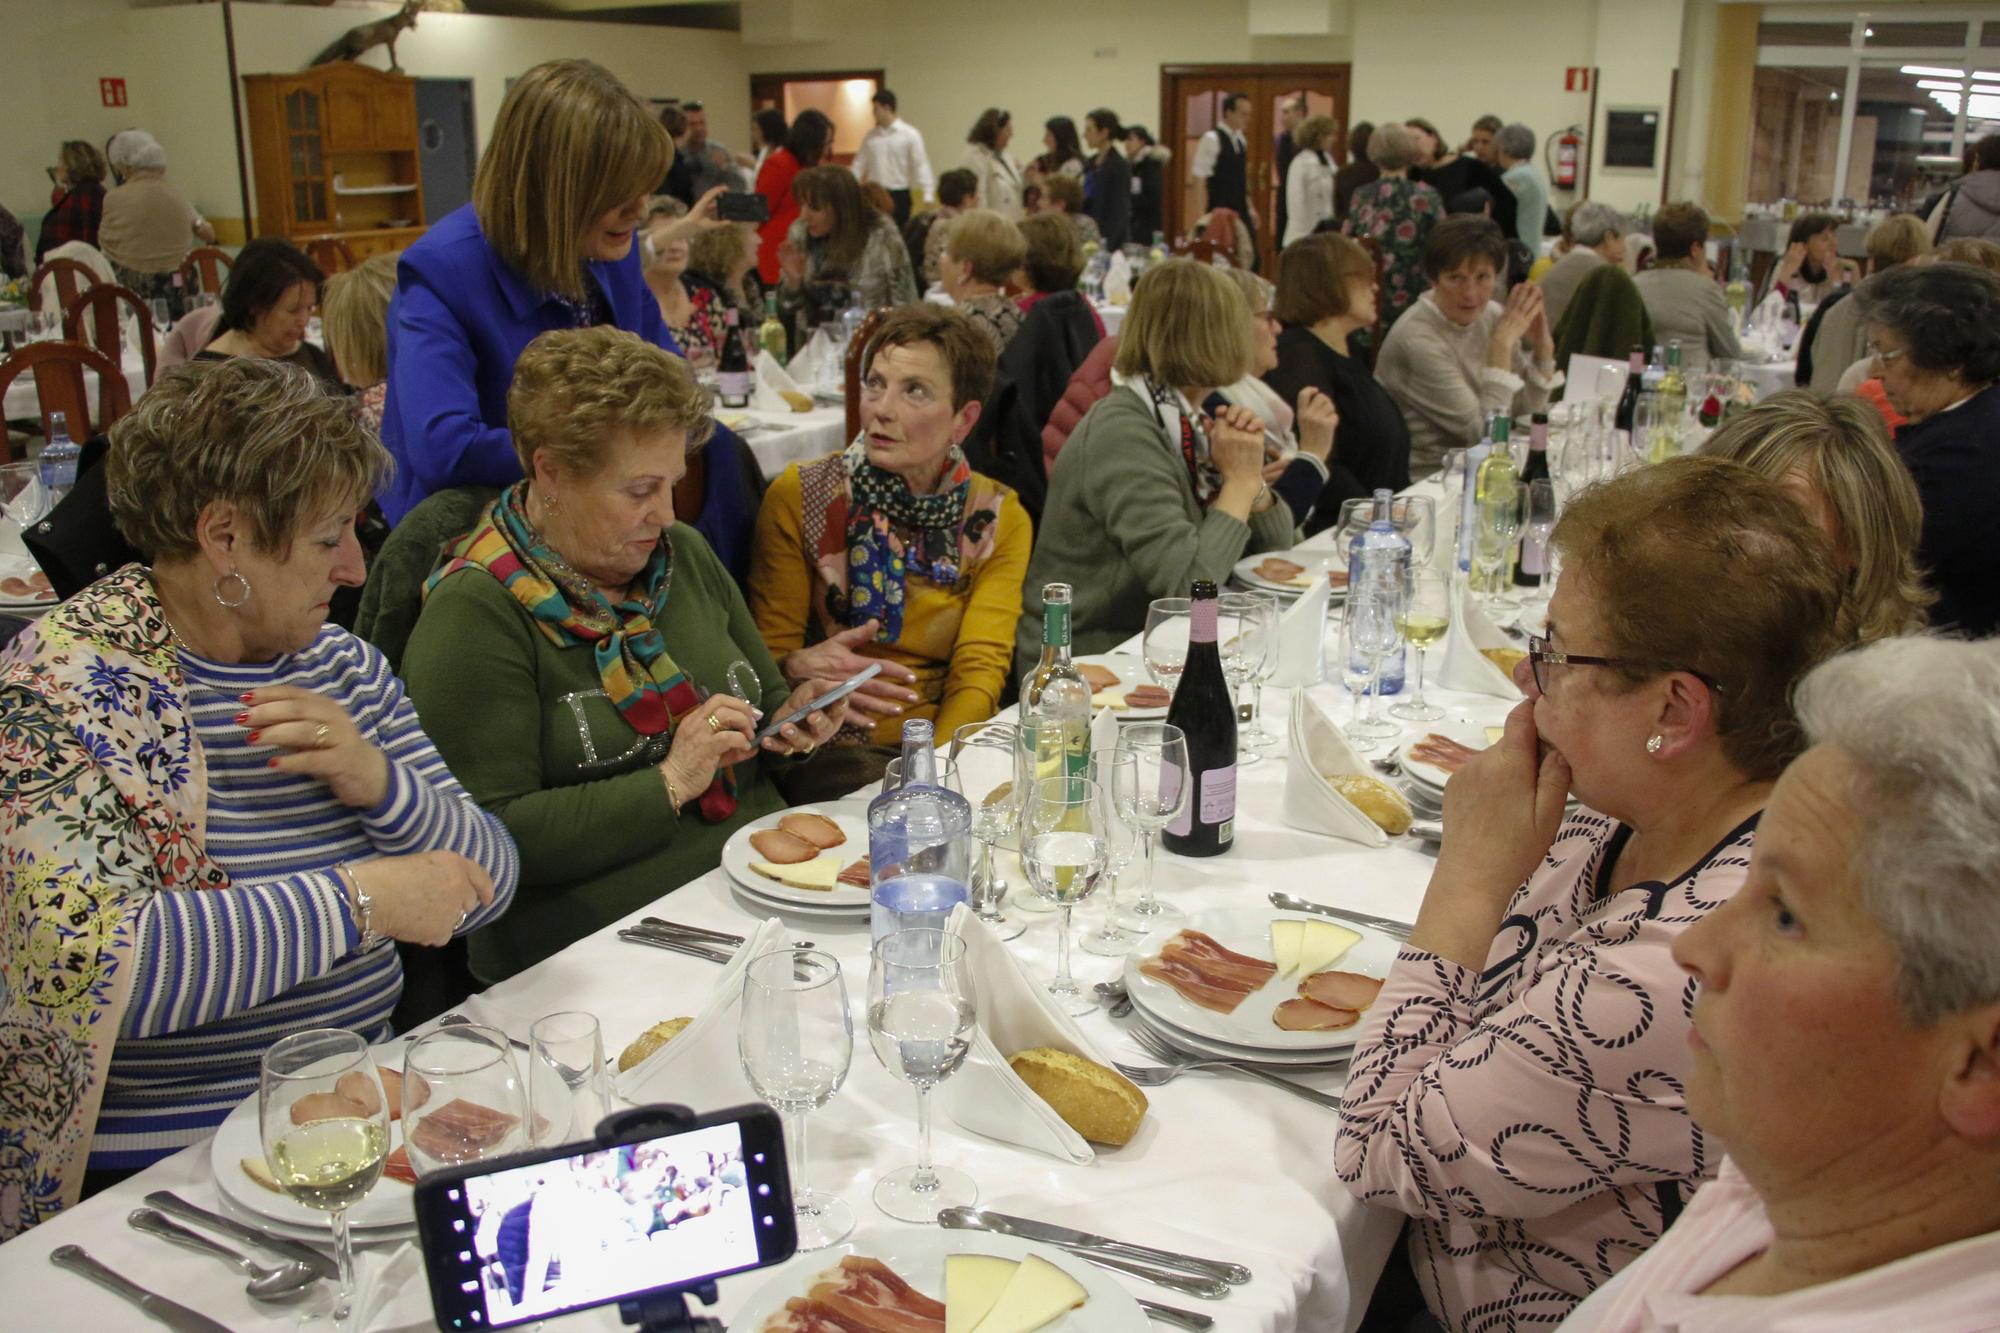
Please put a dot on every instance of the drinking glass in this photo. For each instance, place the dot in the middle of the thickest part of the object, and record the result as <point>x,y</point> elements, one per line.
<point>1538,519</point>
<point>1416,518</point>
<point>324,1124</point>
<point>796,1043</point>
<point>990,750</point>
<point>1153,794</point>
<point>1371,633</point>
<point>1121,840</point>
<point>157,306</point>
<point>922,1007</point>
<point>1499,518</point>
<point>1063,851</point>
<point>462,1098</point>
<point>1247,633</point>
<point>947,775</point>
<point>1426,618</point>
<point>1164,645</point>
<point>568,1089</point>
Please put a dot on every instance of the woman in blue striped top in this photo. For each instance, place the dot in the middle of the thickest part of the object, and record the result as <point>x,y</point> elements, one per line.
<point>217,811</point>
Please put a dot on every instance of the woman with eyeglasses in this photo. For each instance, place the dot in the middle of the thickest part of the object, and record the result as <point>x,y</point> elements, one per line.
<point>1517,1086</point>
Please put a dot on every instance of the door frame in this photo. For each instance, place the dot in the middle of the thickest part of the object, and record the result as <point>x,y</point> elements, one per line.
<point>770,88</point>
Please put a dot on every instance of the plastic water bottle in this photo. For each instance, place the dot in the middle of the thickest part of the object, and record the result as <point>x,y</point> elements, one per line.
<point>919,844</point>
<point>1380,556</point>
<point>58,459</point>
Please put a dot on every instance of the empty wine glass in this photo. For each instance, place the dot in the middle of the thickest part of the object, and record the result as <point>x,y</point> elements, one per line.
<point>987,755</point>
<point>1247,634</point>
<point>568,1088</point>
<point>1425,619</point>
<point>947,775</point>
<point>1371,636</point>
<point>324,1124</point>
<point>1498,515</point>
<point>1152,794</point>
<point>922,1007</point>
<point>1121,844</point>
<point>1538,519</point>
<point>1415,517</point>
<point>1164,644</point>
<point>1063,851</point>
<point>462,1098</point>
<point>796,1042</point>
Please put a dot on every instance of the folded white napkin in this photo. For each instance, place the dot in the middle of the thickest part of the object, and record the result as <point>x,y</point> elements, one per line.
<point>1015,1014</point>
<point>810,363</point>
<point>700,1068</point>
<point>1302,639</point>
<point>390,1291</point>
<point>1104,730</point>
<point>1118,280</point>
<point>1580,381</point>
<point>1464,666</point>
<point>23,511</point>
<point>771,378</point>
<point>1320,752</point>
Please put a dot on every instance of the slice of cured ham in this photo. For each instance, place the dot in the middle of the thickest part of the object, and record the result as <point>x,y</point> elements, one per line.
<point>1303,1015</point>
<point>1441,752</point>
<point>855,875</point>
<point>1215,961</point>
<point>459,1130</point>
<point>397,1166</point>
<point>862,1295</point>
<point>1342,990</point>
<point>1192,985</point>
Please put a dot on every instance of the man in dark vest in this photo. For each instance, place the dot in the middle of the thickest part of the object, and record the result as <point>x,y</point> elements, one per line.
<point>1221,161</point>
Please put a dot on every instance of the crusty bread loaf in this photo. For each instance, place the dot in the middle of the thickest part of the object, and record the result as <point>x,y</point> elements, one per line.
<point>1376,799</point>
<point>652,1039</point>
<point>1099,1103</point>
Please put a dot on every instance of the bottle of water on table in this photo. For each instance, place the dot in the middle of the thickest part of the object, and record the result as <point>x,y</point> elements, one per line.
<point>919,844</point>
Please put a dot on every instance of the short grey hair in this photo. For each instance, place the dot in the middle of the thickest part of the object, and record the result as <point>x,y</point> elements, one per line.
<point>1592,222</point>
<point>1394,146</point>
<point>136,150</point>
<point>1516,141</point>
<point>1919,716</point>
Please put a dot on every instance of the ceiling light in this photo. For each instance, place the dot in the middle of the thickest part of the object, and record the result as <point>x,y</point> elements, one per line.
<point>1868,32</point>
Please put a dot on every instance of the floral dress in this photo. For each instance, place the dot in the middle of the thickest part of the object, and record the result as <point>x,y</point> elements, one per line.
<point>1397,214</point>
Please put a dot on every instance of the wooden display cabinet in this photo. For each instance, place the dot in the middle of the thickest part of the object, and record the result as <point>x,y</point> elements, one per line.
<point>334,153</point>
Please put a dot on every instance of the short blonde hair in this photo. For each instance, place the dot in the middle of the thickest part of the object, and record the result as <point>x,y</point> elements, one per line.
<point>1897,239</point>
<point>1315,134</point>
<point>990,243</point>
<point>571,143</point>
<point>259,434</point>
<point>576,390</point>
<point>354,311</point>
<point>1055,257</point>
<point>1840,444</point>
<point>712,253</point>
<point>1188,327</point>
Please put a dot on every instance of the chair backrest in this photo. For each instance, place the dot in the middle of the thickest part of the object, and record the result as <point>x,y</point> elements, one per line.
<point>205,268</point>
<point>99,306</point>
<point>850,376</point>
<point>58,368</point>
<point>330,253</point>
<point>1197,248</point>
<point>71,277</point>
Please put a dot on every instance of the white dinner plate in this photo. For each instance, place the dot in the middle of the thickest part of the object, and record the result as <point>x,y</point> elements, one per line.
<point>763,907</point>
<point>852,817</point>
<point>23,567</point>
<point>917,1254</point>
<point>1189,1043</point>
<point>1250,1027</point>
<point>1430,775</point>
<point>389,1204</point>
<point>1317,561</point>
<point>1131,673</point>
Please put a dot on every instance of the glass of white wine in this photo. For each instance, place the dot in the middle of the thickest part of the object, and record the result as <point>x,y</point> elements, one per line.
<point>1063,850</point>
<point>1426,616</point>
<point>325,1126</point>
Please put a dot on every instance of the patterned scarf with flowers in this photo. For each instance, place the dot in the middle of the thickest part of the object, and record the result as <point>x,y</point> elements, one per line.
<point>1185,427</point>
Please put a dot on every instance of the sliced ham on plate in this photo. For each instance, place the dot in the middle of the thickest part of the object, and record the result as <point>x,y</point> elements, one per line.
<point>1442,752</point>
<point>1304,1015</point>
<point>459,1130</point>
<point>1341,990</point>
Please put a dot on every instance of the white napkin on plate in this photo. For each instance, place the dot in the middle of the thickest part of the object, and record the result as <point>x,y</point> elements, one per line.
<point>700,1068</point>
<point>1104,730</point>
<point>1302,638</point>
<point>1320,752</point>
<point>390,1291</point>
<point>771,378</point>
<point>810,363</point>
<point>1118,280</point>
<point>1015,1014</point>
<point>1466,668</point>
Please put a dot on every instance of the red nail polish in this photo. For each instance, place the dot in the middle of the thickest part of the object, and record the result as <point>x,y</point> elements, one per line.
<point>272,762</point>
<point>242,719</point>
<point>254,735</point>
<point>249,698</point>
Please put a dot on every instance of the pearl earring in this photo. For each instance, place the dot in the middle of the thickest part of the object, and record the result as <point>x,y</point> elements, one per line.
<point>1653,745</point>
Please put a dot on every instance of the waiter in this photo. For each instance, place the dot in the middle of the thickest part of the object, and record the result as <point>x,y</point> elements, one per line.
<point>1222,162</point>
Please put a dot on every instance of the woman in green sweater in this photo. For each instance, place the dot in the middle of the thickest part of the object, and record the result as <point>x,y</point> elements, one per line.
<point>578,654</point>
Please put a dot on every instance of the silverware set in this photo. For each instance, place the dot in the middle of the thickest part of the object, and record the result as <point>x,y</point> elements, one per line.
<point>1173,1063</point>
<point>717,946</point>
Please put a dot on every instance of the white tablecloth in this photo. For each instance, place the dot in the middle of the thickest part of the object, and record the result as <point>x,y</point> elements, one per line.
<point>24,402</point>
<point>1768,377</point>
<point>779,439</point>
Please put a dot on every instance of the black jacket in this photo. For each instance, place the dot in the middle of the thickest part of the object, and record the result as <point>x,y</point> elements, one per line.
<point>1149,199</point>
<point>76,543</point>
<point>1955,458</point>
<point>1371,446</point>
<point>1463,173</point>
<point>1109,178</point>
<point>1006,444</point>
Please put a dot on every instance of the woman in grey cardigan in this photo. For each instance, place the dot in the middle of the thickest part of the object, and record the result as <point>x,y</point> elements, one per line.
<point>1147,496</point>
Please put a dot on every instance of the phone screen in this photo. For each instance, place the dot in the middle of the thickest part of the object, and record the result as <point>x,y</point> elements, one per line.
<point>834,695</point>
<point>586,1225</point>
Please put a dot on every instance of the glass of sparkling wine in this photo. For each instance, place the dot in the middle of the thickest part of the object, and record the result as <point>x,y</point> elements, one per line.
<point>797,1043</point>
<point>1426,615</point>
<point>325,1127</point>
<point>922,1007</point>
<point>1064,853</point>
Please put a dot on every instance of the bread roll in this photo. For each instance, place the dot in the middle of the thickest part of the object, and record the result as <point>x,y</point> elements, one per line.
<point>1376,799</point>
<point>1504,658</point>
<point>798,402</point>
<point>1099,1103</point>
<point>652,1039</point>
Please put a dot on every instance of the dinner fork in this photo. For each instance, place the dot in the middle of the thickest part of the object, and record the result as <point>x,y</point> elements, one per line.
<point>1173,1064</point>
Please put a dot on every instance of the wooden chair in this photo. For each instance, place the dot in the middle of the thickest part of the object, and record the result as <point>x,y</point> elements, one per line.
<point>100,305</point>
<point>72,279</point>
<point>331,254</point>
<point>850,378</point>
<point>1201,250</point>
<point>204,269</point>
<point>58,370</point>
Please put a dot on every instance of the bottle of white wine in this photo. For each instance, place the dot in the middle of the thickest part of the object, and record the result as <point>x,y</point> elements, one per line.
<point>1055,690</point>
<point>1206,715</point>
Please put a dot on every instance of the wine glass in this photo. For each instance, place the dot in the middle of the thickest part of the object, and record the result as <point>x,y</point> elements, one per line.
<point>1416,518</point>
<point>324,1123</point>
<point>1370,635</point>
<point>1425,619</point>
<point>922,1007</point>
<point>797,1042</point>
<point>462,1098</point>
<point>994,748</point>
<point>1121,841</point>
<point>1063,850</point>
<point>568,1089</point>
<point>946,773</point>
<point>1247,632</point>
<point>1153,793</point>
<point>1164,645</point>
<point>1538,518</point>
<point>1498,515</point>
<point>157,307</point>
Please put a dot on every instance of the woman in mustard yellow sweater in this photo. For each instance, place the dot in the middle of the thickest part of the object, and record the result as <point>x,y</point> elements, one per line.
<point>895,551</point>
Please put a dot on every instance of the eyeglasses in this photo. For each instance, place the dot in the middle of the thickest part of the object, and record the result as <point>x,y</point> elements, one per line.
<point>1541,657</point>
<point>1887,357</point>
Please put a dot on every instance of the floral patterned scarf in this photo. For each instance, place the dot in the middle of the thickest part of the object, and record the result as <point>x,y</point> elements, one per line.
<point>104,801</point>
<point>1184,426</point>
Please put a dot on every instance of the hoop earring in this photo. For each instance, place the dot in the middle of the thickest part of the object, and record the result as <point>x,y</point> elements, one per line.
<point>1653,745</point>
<point>224,601</point>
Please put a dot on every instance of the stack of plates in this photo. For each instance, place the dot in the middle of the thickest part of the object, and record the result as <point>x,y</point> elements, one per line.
<point>1317,561</point>
<point>765,895</point>
<point>385,1213</point>
<point>30,602</point>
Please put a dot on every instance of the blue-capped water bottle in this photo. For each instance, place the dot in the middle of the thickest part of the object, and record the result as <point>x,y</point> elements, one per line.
<point>919,844</point>
<point>1380,554</point>
<point>58,459</point>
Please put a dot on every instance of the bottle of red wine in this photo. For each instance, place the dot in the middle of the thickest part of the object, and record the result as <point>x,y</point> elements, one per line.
<point>1202,709</point>
<point>732,370</point>
<point>1533,563</point>
<point>1635,382</point>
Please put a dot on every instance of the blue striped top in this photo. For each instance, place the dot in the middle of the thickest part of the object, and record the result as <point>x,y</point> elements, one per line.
<point>219,975</point>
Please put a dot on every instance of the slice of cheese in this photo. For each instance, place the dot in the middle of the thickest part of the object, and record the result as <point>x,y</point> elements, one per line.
<point>821,873</point>
<point>1323,945</point>
<point>1039,1294</point>
<point>1286,937</point>
<point>1493,735</point>
<point>1113,698</point>
<point>972,1284</point>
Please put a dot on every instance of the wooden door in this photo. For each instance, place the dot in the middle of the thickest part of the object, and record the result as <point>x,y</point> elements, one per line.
<point>305,155</point>
<point>1191,105</point>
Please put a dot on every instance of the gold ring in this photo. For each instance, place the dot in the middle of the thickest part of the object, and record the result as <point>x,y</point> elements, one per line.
<point>319,736</point>
<point>714,725</point>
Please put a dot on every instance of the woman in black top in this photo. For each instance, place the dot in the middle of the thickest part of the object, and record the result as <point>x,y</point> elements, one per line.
<point>1326,293</point>
<point>1107,179</point>
<point>268,300</point>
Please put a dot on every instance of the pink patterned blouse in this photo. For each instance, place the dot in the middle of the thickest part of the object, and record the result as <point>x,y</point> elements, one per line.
<point>1529,1118</point>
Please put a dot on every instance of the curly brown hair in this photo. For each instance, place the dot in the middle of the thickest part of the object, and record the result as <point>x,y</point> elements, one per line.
<point>575,391</point>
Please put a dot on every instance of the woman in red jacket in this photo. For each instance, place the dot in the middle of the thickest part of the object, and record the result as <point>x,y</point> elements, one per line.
<point>806,145</point>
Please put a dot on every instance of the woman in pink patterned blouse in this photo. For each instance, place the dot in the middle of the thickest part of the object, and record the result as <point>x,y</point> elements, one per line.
<point>1517,1087</point>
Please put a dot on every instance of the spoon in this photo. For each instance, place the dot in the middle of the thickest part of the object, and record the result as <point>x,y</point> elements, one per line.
<point>284,1283</point>
<point>1114,994</point>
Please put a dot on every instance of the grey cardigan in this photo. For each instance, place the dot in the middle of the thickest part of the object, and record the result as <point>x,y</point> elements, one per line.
<point>1122,526</point>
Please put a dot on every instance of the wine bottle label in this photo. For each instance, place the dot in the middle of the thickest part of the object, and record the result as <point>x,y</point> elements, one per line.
<point>1055,624</point>
<point>1201,621</point>
<point>1214,802</point>
<point>734,383</point>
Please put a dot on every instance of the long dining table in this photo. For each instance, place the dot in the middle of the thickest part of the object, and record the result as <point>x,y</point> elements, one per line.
<point>1223,1166</point>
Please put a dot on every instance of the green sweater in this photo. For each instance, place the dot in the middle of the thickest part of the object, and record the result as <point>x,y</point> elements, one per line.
<point>528,730</point>
<point>1123,527</point>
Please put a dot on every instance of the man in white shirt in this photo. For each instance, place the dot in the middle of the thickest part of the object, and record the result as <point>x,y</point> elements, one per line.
<point>1221,161</point>
<point>892,155</point>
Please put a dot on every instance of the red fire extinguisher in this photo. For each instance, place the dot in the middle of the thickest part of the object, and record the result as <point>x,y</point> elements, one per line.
<point>1567,149</point>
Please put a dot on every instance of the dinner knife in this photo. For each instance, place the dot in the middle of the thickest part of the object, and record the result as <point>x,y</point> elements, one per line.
<point>985,1219</point>
<point>1174,1315</point>
<point>699,932</point>
<point>1400,929</point>
<point>174,1316</point>
<point>169,1202</point>
<point>688,947</point>
<point>1185,1283</point>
